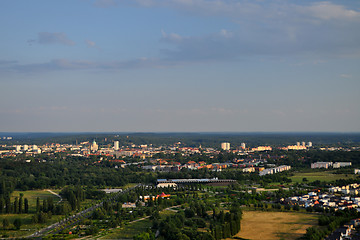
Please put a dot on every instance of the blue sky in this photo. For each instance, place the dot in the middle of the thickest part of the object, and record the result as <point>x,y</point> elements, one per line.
<point>179,65</point>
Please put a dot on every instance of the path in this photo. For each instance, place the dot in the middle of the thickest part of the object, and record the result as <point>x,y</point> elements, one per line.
<point>54,193</point>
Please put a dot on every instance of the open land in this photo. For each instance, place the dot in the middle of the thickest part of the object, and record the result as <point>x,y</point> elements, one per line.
<point>275,225</point>
<point>326,176</point>
<point>32,195</point>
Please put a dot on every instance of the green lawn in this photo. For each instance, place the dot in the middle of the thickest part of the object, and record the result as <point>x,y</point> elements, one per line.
<point>326,176</point>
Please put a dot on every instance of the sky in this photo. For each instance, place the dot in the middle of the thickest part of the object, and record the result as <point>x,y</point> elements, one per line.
<point>179,66</point>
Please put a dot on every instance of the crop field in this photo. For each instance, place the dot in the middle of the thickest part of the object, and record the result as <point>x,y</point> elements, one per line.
<point>275,225</point>
<point>326,176</point>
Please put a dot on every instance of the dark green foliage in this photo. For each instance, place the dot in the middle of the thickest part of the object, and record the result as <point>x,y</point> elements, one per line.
<point>5,223</point>
<point>17,223</point>
<point>26,205</point>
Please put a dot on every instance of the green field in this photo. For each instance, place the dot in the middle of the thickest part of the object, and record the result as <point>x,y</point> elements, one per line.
<point>326,176</point>
<point>128,231</point>
<point>32,195</point>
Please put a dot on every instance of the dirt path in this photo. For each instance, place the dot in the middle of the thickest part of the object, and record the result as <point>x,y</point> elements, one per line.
<point>54,193</point>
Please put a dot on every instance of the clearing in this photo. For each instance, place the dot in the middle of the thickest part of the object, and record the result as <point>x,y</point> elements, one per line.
<point>275,225</point>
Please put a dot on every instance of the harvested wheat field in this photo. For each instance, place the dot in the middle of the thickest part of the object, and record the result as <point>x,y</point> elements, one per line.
<point>275,225</point>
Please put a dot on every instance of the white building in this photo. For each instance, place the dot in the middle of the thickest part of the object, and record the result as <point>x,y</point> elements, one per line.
<point>243,145</point>
<point>94,147</point>
<point>225,146</point>
<point>18,148</point>
<point>321,165</point>
<point>116,145</point>
<point>341,164</point>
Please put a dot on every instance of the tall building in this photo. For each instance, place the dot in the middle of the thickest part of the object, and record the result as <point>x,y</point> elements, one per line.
<point>94,147</point>
<point>25,147</point>
<point>303,144</point>
<point>225,146</point>
<point>243,145</point>
<point>309,144</point>
<point>116,145</point>
<point>18,148</point>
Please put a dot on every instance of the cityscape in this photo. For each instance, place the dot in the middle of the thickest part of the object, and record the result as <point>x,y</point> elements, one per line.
<point>115,186</point>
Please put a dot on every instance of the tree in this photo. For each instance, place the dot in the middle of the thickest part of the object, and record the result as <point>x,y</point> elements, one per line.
<point>16,205</point>
<point>37,204</point>
<point>21,203</point>
<point>26,205</point>
<point>6,223</point>
<point>17,223</point>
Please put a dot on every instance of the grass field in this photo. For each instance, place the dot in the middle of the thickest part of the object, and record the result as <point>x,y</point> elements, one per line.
<point>326,176</point>
<point>31,195</point>
<point>275,225</point>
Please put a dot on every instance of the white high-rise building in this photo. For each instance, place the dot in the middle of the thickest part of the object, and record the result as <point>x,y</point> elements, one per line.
<point>297,143</point>
<point>243,145</point>
<point>303,144</point>
<point>34,147</point>
<point>25,147</point>
<point>309,144</point>
<point>116,145</point>
<point>225,146</point>
<point>18,148</point>
<point>94,147</point>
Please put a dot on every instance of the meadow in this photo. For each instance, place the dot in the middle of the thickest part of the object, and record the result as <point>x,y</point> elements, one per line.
<point>326,176</point>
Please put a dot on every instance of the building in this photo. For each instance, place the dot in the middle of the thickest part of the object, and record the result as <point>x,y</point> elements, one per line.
<point>94,147</point>
<point>309,144</point>
<point>243,145</point>
<point>321,165</point>
<point>18,148</point>
<point>296,147</point>
<point>225,146</point>
<point>262,148</point>
<point>116,145</point>
<point>341,164</point>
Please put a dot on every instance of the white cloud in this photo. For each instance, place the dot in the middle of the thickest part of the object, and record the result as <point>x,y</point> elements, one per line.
<point>52,38</point>
<point>348,76</point>
<point>329,11</point>
<point>91,44</point>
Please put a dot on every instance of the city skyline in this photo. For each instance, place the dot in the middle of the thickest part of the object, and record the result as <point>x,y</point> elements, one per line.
<point>179,66</point>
